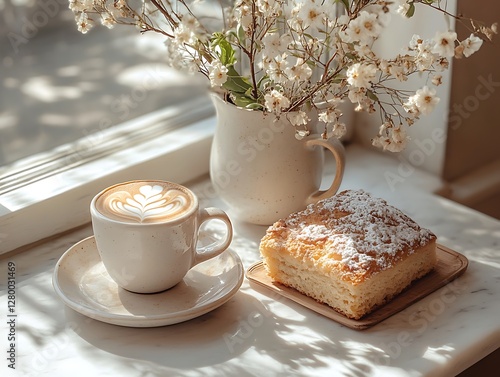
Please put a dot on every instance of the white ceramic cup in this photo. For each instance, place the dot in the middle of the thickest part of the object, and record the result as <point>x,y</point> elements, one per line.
<point>146,233</point>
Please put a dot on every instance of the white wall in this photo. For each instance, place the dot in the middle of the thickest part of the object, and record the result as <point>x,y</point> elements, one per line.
<point>423,151</point>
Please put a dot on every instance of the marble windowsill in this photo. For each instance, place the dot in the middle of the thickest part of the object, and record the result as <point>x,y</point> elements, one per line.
<point>255,334</point>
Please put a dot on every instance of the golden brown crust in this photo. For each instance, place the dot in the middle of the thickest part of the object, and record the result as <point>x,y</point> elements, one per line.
<point>350,236</point>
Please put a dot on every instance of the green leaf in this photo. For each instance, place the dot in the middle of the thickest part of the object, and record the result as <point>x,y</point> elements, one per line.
<point>351,56</point>
<point>411,11</point>
<point>371,95</point>
<point>242,100</point>
<point>263,81</point>
<point>254,106</point>
<point>241,35</point>
<point>309,36</point>
<point>249,93</point>
<point>223,49</point>
<point>235,83</point>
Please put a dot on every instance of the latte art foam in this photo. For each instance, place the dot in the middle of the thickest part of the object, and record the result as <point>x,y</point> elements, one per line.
<point>144,203</point>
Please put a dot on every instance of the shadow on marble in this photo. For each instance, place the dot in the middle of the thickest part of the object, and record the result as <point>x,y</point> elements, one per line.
<point>187,345</point>
<point>246,323</point>
<point>297,339</point>
<point>401,333</point>
<point>61,86</point>
<point>254,322</point>
<point>242,324</point>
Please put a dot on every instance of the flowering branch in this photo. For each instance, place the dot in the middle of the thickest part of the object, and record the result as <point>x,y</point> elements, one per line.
<point>288,56</point>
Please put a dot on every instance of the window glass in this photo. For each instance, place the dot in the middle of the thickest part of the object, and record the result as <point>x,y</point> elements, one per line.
<point>58,86</point>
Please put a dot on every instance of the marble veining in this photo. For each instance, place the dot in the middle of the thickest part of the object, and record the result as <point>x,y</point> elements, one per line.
<point>256,333</point>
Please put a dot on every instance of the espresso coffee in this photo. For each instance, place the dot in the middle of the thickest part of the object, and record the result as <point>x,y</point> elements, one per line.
<point>145,202</point>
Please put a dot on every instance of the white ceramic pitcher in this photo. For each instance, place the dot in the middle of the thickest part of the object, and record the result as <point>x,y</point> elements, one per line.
<point>261,170</point>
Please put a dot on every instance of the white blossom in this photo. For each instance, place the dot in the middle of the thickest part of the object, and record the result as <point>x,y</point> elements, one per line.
<point>415,41</point>
<point>391,138</point>
<point>81,5</point>
<point>357,95</point>
<point>84,23</point>
<point>294,53</point>
<point>338,130</point>
<point>383,128</point>
<point>412,109</point>
<point>445,43</point>
<point>424,58</point>
<point>300,71</point>
<point>380,141</point>
<point>277,67</point>
<point>244,15</point>
<point>360,75</point>
<point>437,80</point>
<point>275,44</point>
<point>443,64</point>
<point>394,146</point>
<point>398,135</point>
<point>312,14</point>
<point>119,8</point>
<point>364,28</point>
<point>402,7</point>
<point>217,74</point>
<point>292,11</point>
<point>107,20</point>
<point>327,117</point>
<point>265,62</point>
<point>424,100</point>
<point>364,51</point>
<point>184,34</point>
<point>269,6</point>
<point>301,134</point>
<point>471,45</point>
<point>397,71</point>
<point>275,101</point>
<point>489,32</point>
<point>183,57</point>
<point>298,118</point>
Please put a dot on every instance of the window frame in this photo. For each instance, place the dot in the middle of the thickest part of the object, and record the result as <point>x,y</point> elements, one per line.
<point>59,202</point>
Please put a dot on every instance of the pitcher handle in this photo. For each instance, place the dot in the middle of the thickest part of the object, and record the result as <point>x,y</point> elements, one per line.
<point>337,149</point>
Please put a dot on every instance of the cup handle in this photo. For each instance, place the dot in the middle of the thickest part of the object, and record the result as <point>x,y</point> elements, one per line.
<point>337,149</point>
<point>217,247</point>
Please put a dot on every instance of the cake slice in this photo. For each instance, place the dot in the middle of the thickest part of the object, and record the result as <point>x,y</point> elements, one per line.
<point>353,252</point>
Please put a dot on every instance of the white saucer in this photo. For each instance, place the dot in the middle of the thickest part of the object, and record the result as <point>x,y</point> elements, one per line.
<point>82,282</point>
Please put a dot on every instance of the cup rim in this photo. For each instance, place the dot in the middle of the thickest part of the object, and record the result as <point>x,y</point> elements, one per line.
<point>94,212</point>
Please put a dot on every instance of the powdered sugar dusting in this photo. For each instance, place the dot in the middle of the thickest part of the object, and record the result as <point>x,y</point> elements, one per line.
<point>357,230</point>
<point>314,232</point>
